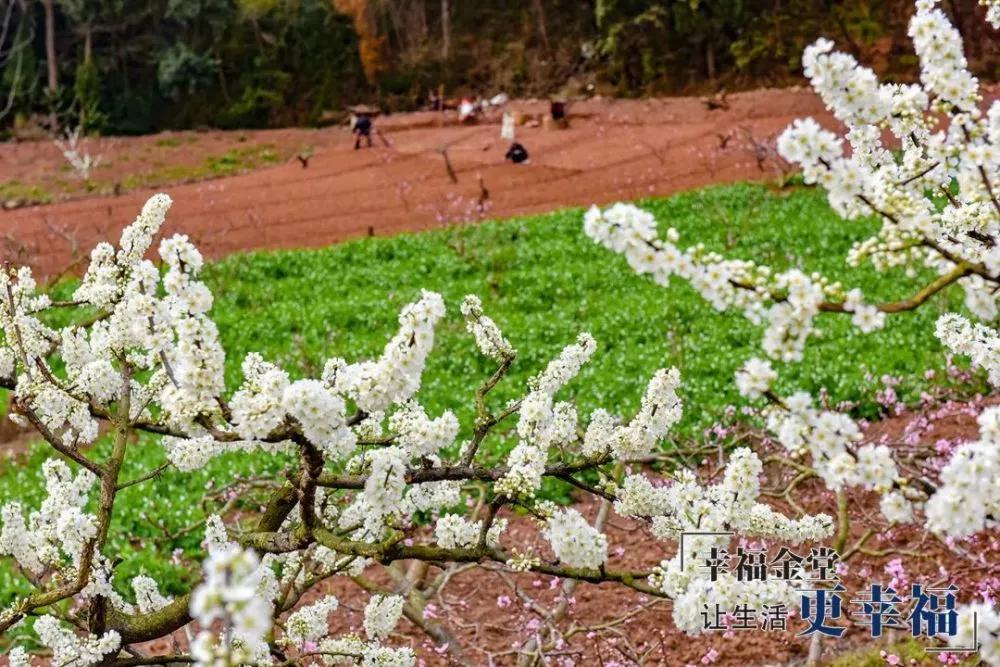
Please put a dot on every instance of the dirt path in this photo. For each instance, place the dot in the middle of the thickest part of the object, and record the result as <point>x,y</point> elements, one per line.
<point>613,150</point>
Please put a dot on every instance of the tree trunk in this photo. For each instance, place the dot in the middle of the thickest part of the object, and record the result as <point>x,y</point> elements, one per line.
<point>88,54</point>
<point>88,46</point>
<point>50,60</point>
<point>540,17</point>
<point>50,44</point>
<point>445,29</point>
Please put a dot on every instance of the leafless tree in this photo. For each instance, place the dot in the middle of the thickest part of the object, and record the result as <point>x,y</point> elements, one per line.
<point>16,34</point>
<point>445,28</point>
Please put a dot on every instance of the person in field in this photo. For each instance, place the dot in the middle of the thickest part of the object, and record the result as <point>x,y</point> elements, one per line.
<point>507,126</point>
<point>517,154</point>
<point>361,126</point>
<point>466,111</point>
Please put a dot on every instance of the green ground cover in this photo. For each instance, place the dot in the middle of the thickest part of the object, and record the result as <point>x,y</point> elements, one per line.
<point>543,281</point>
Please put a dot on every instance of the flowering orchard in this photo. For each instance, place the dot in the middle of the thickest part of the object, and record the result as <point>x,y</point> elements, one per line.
<point>372,479</point>
<point>935,188</point>
<point>368,458</point>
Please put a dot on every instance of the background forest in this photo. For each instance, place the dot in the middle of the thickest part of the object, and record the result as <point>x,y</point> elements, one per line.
<point>136,66</point>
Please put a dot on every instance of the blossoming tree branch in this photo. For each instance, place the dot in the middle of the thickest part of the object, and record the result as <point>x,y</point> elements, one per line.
<point>365,459</point>
<point>925,161</point>
<point>372,478</point>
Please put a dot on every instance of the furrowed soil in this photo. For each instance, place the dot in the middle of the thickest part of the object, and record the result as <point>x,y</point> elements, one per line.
<point>251,191</point>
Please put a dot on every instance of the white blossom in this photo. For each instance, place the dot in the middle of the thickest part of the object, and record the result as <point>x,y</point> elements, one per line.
<point>489,339</point>
<point>395,377</point>
<point>381,615</point>
<point>58,530</point>
<point>231,592</point>
<point>311,623</point>
<point>453,531</point>
<point>968,499</point>
<point>525,468</point>
<point>755,378</point>
<point>979,622</point>
<point>68,648</point>
<point>574,541</point>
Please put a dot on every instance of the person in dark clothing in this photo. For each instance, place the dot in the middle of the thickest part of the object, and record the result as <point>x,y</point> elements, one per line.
<point>362,128</point>
<point>558,110</point>
<point>517,154</point>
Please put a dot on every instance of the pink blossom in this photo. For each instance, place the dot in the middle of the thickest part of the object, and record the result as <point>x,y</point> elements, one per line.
<point>896,570</point>
<point>710,657</point>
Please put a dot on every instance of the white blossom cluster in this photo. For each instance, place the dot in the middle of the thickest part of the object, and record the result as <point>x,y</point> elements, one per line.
<point>831,440</point>
<point>965,501</point>
<point>309,626</point>
<point>525,469</point>
<point>147,595</point>
<point>395,377</point>
<point>979,622</point>
<point>910,144</point>
<point>54,535</point>
<point>727,507</point>
<point>755,378</point>
<point>968,498</point>
<point>489,339</point>
<point>787,302</point>
<point>980,343</point>
<point>381,615</point>
<point>230,592</point>
<point>419,435</point>
<point>453,531</point>
<point>660,410</point>
<point>574,541</point>
<point>992,12</point>
<point>70,649</point>
<point>311,623</point>
<point>543,422</point>
<point>730,505</point>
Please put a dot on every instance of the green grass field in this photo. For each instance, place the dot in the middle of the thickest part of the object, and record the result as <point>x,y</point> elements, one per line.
<point>543,281</point>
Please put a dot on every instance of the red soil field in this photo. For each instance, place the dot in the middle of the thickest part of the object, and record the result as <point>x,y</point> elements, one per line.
<point>613,149</point>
